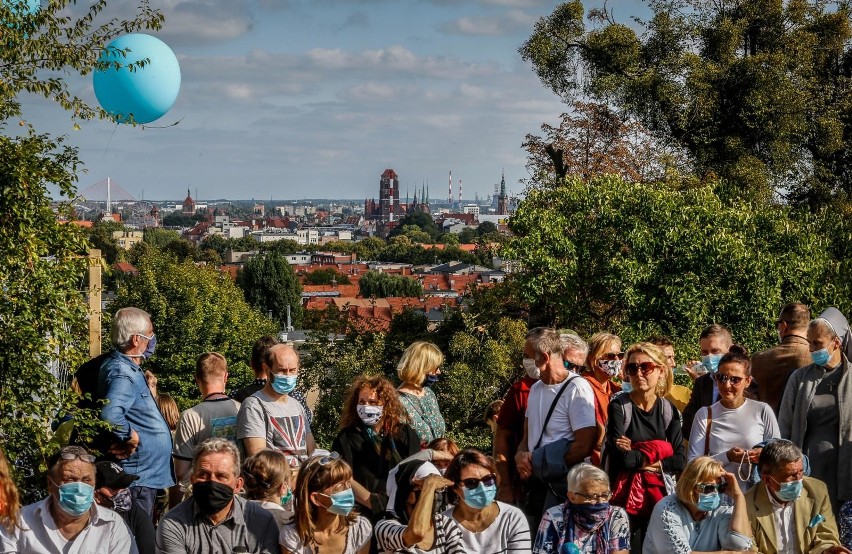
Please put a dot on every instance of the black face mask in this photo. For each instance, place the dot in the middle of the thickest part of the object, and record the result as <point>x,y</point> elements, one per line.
<point>211,496</point>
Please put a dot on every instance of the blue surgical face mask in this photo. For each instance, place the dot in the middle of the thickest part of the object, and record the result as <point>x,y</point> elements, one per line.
<point>481,497</point>
<point>152,345</point>
<point>283,384</point>
<point>790,491</point>
<point>285,500</point>
<point>711,362</point>
<point>76,498</point>
<point>430,380</point>
<point>821,356</point>
<point>626,386</point>
<point>708,502</point>
<point>341,502</point>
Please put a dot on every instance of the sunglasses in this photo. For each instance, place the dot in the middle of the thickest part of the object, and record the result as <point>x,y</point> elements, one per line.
<point>612,356</point>
<point>595,498</point>
<point>325,460</point>
<point>633,368</point>
<point>710,488</point>
<point>719,378</point>
<point>69,455</point>
<point>473,482</point>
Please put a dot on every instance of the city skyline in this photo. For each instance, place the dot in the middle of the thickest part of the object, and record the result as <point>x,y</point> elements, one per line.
<point>289,98</point>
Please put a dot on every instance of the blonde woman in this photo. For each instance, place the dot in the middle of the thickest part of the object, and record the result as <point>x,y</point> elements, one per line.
<point>644,440</point>
<point>266,478</point>
<point>603,362</point>
<point>324,522</point>
<point>418,370</point>
<point>695,519</point>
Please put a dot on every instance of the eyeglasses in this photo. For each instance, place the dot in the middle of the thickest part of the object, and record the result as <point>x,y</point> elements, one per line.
<point>633,368</point>
<point>720,378</point>
<point>68,455</point>
<point>473,482</point>
<point>594,498</point>
<point>710,488</point>
<point>612,356</point>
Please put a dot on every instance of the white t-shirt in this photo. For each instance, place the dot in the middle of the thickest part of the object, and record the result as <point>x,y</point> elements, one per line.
<point>752,423</point>
<point>509,532</point>
<point>283,424</point>
<point>106,533</point>
<point>575,410</point>
<point>359,533</point>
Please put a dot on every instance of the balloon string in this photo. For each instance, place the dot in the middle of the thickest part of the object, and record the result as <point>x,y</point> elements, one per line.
<point>110,140</point>
<point>162,126</point>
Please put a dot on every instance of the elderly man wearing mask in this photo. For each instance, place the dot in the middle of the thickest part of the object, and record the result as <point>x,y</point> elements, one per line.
<point>815,411</point>
<point>68,520</point>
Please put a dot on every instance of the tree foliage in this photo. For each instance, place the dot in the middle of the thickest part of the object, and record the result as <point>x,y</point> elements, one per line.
<point>326,276</point>
<point>757,92</point>
<point>375,284</point>
<point>642,259</point>
<point>482,360</point>
<point>270,285</point>
<point>194,309</point>
<point>43,335</point>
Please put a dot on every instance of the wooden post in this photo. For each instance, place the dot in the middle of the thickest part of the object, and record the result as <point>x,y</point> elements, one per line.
<point>95,287</point>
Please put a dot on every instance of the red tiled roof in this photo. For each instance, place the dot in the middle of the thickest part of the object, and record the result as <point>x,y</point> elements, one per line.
<point>125,267</point>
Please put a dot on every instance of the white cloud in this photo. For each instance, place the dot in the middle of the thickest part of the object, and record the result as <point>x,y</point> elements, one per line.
<point>489,25</point>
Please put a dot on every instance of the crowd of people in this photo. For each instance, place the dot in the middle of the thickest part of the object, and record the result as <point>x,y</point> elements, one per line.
<point>594,450</point>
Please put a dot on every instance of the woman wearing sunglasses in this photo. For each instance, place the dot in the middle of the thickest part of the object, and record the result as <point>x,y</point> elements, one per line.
<point>488,526</point>
<point>324,522</point>
<point>586,521</point>
<point>694,519</point>
<point>728,430</point>
<point>643,438</point>
<point>374,437</point>
<point>603,362</point>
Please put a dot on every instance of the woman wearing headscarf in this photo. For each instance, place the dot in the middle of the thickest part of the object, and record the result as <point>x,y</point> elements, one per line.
<point>374,437</point>
<point>413,525</point>
<point>816,413</point>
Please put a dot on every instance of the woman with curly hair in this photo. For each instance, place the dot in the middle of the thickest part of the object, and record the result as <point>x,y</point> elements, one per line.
<point>10,501</point>
<point>374,437</point>
<point>325,522</point>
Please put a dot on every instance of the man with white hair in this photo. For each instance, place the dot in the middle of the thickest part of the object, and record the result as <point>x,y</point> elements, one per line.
<point>560,428</point>
<point>141,439</point>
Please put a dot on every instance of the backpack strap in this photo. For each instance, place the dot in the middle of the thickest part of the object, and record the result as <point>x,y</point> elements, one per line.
<point>552,408</point>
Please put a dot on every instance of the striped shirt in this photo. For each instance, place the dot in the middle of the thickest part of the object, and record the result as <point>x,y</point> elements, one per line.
<point>509,532</point>
<point>448,537</point>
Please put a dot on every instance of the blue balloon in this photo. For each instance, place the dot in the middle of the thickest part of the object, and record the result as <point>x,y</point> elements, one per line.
<point>146,93</point>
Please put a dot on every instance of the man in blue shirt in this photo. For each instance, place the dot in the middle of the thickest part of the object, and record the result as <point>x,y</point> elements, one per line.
<point>142,441</point>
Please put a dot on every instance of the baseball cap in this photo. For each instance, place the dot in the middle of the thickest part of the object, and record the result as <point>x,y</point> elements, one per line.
<point>112,476</point>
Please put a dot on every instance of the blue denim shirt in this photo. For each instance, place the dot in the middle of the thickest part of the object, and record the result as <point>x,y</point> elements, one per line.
<point>131,406</point>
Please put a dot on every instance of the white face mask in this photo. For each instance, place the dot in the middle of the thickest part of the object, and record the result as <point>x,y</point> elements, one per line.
<point>370,415</point>
<point>532,370</point>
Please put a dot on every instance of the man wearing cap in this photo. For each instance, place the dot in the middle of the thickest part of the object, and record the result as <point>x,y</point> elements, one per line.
<point>112,491</point>
<point>142,440</point>
<point>815,412</point>
<point>68,520</point>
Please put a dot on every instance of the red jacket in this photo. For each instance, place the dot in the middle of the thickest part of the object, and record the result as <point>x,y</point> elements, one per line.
<point>638,491</point>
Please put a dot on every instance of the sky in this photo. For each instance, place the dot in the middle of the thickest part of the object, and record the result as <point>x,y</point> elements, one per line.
<point>291,99</point>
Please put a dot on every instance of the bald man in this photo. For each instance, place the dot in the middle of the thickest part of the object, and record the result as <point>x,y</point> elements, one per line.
<point>270,418</point>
